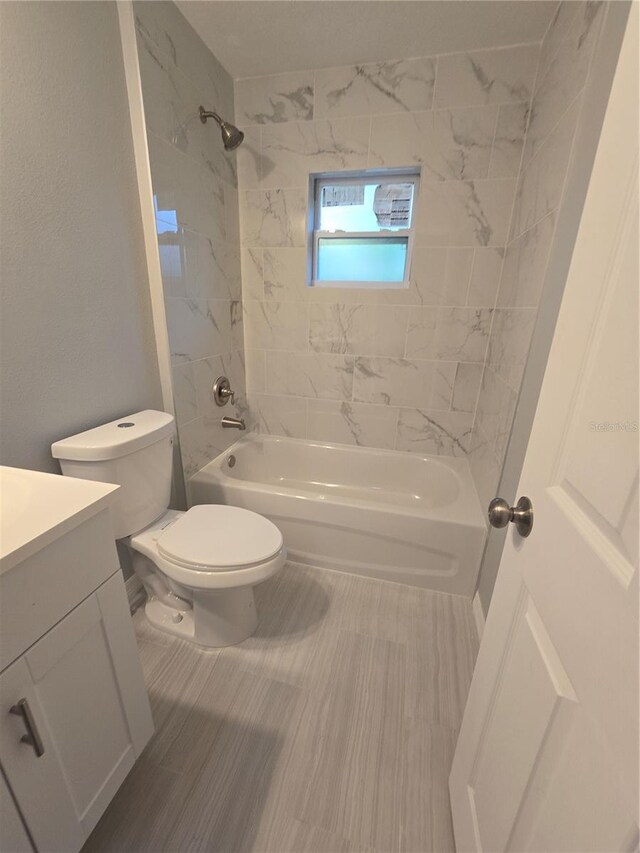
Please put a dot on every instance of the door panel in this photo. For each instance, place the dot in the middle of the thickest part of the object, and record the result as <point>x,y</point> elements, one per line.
<point>534,694</point>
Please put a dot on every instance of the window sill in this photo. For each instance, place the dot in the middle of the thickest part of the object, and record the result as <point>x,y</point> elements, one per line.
<point>361,285</point>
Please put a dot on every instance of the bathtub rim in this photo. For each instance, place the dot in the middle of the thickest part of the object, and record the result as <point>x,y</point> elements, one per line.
<point>466,509</point>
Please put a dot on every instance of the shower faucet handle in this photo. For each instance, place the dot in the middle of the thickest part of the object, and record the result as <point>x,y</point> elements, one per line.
<point>222,391</point>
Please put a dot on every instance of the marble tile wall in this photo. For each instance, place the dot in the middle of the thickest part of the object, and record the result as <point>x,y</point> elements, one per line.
<point>396,368</point>
<point>565,56</point>
<point>195,188</point>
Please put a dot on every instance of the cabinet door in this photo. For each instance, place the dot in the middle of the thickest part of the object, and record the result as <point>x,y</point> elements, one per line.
<point>84,685</point>
<point>13,835</point>
<point>38,783</point>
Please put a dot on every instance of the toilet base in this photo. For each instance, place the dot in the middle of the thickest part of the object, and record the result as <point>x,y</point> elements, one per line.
<point>224,617</point>
<point>221,618</point>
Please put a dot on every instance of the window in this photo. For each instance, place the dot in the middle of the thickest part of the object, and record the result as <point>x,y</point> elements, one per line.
<point>363,228</point>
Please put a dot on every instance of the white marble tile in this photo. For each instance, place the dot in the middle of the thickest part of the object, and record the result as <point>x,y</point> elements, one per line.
<point>252,273</point>
<point>285,273</point>
<point>499,76</point>
<point>433,432</point>
<point>255,371</point>
<point>563,71</point>
<point>352,423</point>
<point>485,466</point>
<point>277,325</point>
<point>236,336</point>
<point>292,151</point>
<point>541,184</point>
<point>186,195</point>
<point>560,27</point>
<point>509,343</point>
<point>198,266</point>
<point>506,152</point>
<point>184,392</point>
<point>466,387</point>
<point>440,276</point>
<point>404,382</point>
<point>448,334</point>
<point>201,440</point>
<point>280,98</point>
<point>376,87</point>
<point>163,24</point>
<point>171,104</point>
<point>464,213</point>
<point>207,370</point>
<point>273,217</point>
<point>249,158</point>
<point>485,277</point>
<point>448,144</point>
<point>312,374</point>
<point>280,415</point>
<point>231,214</point>
<point>525,265</point>
<point>198,328</point>
<point>173,267</point>
<point>496,408</point>
<point>359,329</point>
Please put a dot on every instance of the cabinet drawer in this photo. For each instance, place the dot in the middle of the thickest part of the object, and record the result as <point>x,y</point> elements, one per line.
<point>40,591</point>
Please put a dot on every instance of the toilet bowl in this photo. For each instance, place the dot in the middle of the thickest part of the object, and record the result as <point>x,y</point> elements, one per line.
<point>198,567</point>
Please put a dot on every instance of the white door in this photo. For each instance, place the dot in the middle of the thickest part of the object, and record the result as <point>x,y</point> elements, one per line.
<point>547,758</point>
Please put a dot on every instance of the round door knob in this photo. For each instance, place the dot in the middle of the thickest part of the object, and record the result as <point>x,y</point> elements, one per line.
<point>500,514</point>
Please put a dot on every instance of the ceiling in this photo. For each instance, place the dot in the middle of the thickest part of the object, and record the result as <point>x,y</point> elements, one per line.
<point>252,38</point>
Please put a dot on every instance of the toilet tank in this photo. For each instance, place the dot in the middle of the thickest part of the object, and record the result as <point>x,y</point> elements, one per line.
<point>134,452</point>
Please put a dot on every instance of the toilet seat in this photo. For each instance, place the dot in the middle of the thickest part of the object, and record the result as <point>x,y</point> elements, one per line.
<point>217,537</point>
<point>209,523</point>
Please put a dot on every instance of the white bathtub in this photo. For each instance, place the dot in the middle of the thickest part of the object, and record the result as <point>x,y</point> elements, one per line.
<point>379,513</point>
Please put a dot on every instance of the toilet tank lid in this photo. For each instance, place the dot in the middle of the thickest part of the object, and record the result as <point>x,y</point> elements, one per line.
<point>117,438</point>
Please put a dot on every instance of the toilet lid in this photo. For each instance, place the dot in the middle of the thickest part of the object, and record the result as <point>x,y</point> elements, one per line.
<point>217,537</point>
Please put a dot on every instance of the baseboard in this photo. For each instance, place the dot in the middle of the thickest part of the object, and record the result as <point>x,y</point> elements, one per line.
<point>135,592</point>
<point>478,615</point>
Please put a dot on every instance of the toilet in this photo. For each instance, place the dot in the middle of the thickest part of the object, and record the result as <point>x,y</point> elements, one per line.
<point>198,567</point>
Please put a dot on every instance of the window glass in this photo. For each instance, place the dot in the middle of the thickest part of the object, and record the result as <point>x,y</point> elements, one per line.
<point>362,259</point>
<point>365,207</point>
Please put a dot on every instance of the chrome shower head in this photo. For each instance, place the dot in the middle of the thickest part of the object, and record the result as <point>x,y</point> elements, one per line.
<point>231,136</point>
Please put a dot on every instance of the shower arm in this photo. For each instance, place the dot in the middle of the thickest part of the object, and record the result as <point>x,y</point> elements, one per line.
<point>205,114</point>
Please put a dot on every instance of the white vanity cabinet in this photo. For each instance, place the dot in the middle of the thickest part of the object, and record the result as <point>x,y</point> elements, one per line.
<point>74,711</point>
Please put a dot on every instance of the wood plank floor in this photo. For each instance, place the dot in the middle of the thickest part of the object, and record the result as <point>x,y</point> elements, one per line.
<point>331,730</point>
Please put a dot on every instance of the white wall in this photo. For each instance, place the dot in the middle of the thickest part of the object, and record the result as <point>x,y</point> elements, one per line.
<point>77,341</point>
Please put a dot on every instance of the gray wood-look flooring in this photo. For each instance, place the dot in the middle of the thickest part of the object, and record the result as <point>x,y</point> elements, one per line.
<point>331,730</point>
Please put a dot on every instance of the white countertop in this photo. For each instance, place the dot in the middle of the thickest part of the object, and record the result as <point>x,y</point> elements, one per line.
<point>37,508</point>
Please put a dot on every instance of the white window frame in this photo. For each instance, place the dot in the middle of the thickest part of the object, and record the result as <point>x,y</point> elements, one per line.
<point>318,181</point>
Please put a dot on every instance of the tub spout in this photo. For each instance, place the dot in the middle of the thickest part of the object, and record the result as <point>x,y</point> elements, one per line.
<point>233,423</point>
